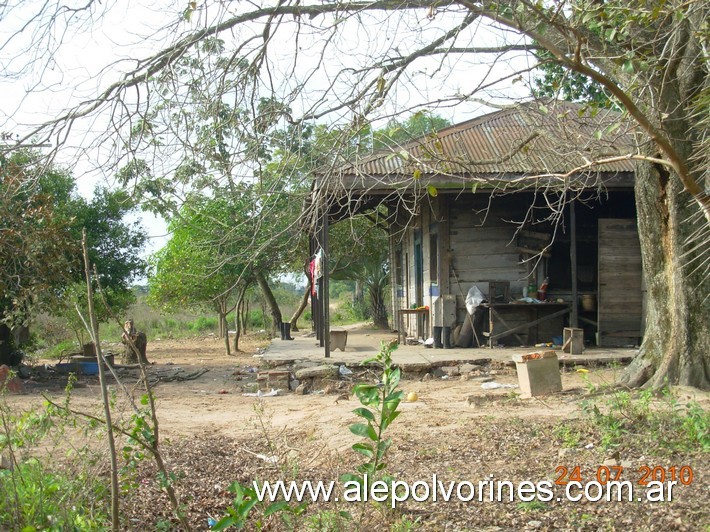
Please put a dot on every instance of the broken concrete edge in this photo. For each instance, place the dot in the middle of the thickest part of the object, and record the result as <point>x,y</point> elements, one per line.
<point>475,361</point>
<point>320,371</point>
<point>426,367</point>
<point>370,365</point>
<point>595,362</point>
<point>572,362</point>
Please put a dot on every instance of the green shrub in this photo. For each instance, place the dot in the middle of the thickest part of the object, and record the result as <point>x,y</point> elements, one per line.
<point>62,492</point>
<point>170,325</point>
<point>348,312</point>
<point>255,319</point>
<point>61,350</point>
<point>33,497</point>
<point>50,330</point>
<point>569,436</point>
<point>357,311</point>
<point>379,409</point>
<point>204,324</point>
<point>327,521</point>
<point>380,403</point>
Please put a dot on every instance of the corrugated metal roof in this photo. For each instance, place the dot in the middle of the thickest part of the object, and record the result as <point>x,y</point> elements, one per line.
<point>529,139</point>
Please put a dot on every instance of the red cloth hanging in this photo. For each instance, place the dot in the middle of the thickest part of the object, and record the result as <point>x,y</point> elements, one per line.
<point>312,268</point>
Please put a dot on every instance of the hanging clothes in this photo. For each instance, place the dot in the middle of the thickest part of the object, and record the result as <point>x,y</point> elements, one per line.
<point>312,269</point>
<point>316,268</point>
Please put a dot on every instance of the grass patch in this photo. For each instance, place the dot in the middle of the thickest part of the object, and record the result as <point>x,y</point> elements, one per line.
<point>569,436</point>
<point>61,350</point>
<point>656,420</point>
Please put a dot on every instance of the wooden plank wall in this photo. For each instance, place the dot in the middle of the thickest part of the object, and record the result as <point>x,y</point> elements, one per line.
<point>408,226</point>
<point>482,253</point>
<point>620,296</point>
<point>480,246</point>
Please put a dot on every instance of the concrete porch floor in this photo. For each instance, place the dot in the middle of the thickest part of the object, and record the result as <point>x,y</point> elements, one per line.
<point>364,343</point>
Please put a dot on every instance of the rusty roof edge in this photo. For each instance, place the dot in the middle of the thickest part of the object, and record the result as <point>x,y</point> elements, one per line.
<point>385,184</point>
<point>575,116</point>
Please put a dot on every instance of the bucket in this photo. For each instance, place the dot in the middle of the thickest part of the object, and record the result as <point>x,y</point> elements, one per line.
<point>589,302</point>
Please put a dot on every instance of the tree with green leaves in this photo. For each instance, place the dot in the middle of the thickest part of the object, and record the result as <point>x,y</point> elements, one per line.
<point>224,158</point>
<point>398,132</point>
<point>115,251</point>
<point>43,217</point>
<point>202,265</point>
<point>558,83</point>
<point>35,246</point>
<point>358,245</point>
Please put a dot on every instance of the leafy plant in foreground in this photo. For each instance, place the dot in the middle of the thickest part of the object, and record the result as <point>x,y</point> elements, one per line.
<point>247,497</point>
<point>378,411</point>
<point>51,493</point>
<point>245,500</point>
<point>35,497</point>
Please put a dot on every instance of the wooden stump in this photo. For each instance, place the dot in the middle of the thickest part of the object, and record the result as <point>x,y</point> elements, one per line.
<point>136,343</point>
<point>131,355</point>
<point>89,349</point>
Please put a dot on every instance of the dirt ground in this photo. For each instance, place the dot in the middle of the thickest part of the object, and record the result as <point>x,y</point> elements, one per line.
<point>214,402</point>
<point>213,435</point>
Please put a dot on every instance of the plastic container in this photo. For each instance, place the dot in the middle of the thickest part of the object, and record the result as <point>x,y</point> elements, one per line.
<point>89,368</point>
<point>589,302</point>
<point>82,368</point>
<point>542,291</point>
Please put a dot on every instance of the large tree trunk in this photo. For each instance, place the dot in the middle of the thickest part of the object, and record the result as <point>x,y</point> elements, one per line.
<point>301,307</point>
<point>359,296</point>
<point>224,329</point>
<point>676,344</point>
<point>5,345</point>
<point>378,305</point>
<point>239,318</point>
<point>271,302</point>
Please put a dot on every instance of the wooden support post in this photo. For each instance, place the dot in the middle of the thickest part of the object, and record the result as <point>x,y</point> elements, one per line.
<point>574,321</point>
<point>396,266</point>
<point>313,247</point>
<point>325,297</point>
<point>444,260</point>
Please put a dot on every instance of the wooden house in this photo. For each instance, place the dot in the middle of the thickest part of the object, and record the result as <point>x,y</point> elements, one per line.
<point>503,202</point>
